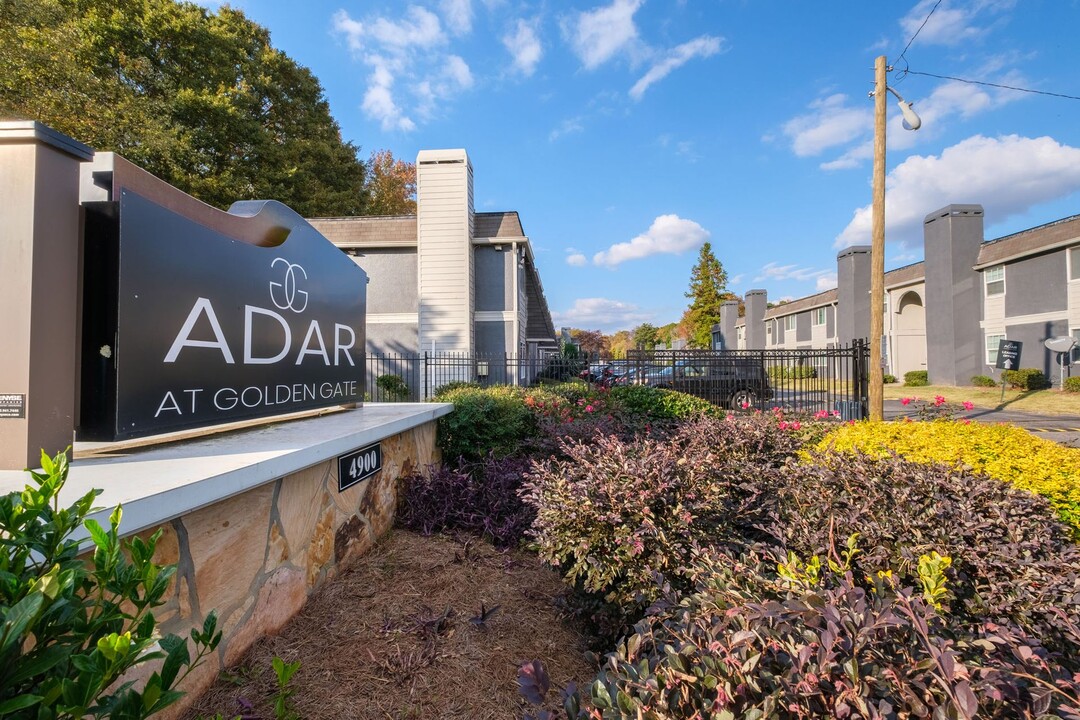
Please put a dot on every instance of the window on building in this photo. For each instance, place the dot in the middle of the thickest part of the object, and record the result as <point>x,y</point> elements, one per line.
<point>1074,263</point>
<point>1075,355</point>
<point>992,348</point>
<point>789,322</point>
<point>995,280</point>
<point>818,316</point>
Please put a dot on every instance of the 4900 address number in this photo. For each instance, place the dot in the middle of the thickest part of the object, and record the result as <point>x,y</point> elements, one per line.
<point>358,465</point>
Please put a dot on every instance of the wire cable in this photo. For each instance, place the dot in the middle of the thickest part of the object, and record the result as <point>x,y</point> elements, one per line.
<point>990,84</point>
<point>925,20</point>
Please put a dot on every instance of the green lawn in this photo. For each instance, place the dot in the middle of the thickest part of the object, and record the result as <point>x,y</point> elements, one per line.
<point>1048,402</point>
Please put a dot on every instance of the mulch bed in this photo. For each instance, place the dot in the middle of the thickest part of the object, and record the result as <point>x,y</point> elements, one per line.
<point>399,635</point>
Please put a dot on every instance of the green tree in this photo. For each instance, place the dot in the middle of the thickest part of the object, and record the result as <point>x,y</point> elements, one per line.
<point>391,185</point>
<point>199,98</point>
<point>645,336</point>
<point>708,282</point>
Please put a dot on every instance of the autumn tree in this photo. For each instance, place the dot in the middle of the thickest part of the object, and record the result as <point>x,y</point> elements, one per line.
<point>593,342</point>
<point>391,185</point>
<point>708,282</point>
<point>200,98</point>
<point>620,342</point>
<point>665,334</point>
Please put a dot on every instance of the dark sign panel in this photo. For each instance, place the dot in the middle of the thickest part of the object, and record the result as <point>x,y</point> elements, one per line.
<point>212,329</point>
<point>358,465</point>
<point>1008,357</point>
<point>12,405</point>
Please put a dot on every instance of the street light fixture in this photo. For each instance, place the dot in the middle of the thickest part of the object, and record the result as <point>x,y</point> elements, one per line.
<point>877,232</point>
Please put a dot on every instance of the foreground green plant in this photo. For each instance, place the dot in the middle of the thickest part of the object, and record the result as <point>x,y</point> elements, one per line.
<point>284,671</point>
<point>70,629</point>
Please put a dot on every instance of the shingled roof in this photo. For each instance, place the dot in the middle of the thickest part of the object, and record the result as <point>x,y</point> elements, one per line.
<point>1030,242</point>
<point>497,224</point>
<point>812,301</point>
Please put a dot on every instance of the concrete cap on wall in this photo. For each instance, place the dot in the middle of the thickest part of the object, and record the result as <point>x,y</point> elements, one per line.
<point>952,211</point>
<point>456,155</point>
<point>12,131</point>
<point>853,250</point>
<point>731,302</point>
<point>756,292</point>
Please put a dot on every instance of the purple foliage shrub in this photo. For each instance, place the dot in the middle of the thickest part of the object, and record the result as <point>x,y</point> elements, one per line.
<point>476,497</point>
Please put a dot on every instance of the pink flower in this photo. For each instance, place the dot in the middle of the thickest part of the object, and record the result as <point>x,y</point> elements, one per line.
<point>745,405</point>
<point>835,413</point>
<point>588,408</point>
<point>968,405</point>
<point>796,425</point>
<point>905,401</point>
<point>966,421</point>
<point>783,425</point>
<point>939,400</point>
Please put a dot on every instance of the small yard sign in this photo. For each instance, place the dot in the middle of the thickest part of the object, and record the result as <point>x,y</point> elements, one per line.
<point>358,465</point>
<point>12,405</point>
<point>1008,357</point>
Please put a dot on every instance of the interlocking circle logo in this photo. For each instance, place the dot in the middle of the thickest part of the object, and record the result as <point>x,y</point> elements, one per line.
<point>286,295</point>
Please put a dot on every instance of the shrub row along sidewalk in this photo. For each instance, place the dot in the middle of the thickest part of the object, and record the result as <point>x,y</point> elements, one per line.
<point>777,566</point>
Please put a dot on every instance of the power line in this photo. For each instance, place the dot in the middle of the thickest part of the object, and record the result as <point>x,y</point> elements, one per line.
<point>990,84</point>
<point>925,20</point>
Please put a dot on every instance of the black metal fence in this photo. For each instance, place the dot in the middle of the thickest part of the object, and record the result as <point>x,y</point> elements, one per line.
<point>416,377</point>
<point>832,379</point>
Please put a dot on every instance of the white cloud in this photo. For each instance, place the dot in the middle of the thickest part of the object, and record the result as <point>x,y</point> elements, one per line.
<point>704,46</point>
<point>524,47</point>
<point>599,35</point>
<point>825,282</point>
<point>953,23</point>
<point>831,122</point>
<point>577,260</point>
<point>419,29</point>
<point>601,314</point>
<point>379,100</point>
<point>668,234</point>
<point>776,272</point>
<point>458,15</point>
<point>568,126</point>
<point>1006,175</point>
<point>412,74</point>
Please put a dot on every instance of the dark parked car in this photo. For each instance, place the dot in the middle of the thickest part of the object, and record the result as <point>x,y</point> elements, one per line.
<point>732,381</point>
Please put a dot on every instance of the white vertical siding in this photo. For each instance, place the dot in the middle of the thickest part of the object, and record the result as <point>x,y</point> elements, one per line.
<point>444,250</point>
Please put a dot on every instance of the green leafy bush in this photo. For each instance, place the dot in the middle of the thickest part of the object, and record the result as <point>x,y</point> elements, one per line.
<point>71,628</point>
<point>485,420</point>
<point>916,378</point>
<point>983,381</point>
<point>1071,384</point>
<point>640,403</point>
<point>393,387</point>
<point>1025,379</point>
<point>888,379</point>
<point>791,372</point>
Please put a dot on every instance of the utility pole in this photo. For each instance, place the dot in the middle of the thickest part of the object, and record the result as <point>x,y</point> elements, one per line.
<point>877,247</point>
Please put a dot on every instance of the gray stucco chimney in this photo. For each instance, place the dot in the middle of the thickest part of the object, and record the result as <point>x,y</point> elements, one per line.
<point>756,302</point>
<point>853,294</point>
<point>954,344</point>
<point>729,313</point>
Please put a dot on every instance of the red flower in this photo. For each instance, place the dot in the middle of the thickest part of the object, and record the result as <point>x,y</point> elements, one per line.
<point>905,401</point>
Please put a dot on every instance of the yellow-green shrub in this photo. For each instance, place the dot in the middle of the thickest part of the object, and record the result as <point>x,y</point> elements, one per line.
<point>1004,452</point>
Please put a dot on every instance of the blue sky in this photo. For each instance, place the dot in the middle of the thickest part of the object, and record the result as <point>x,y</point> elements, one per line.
<point>629,132</point>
